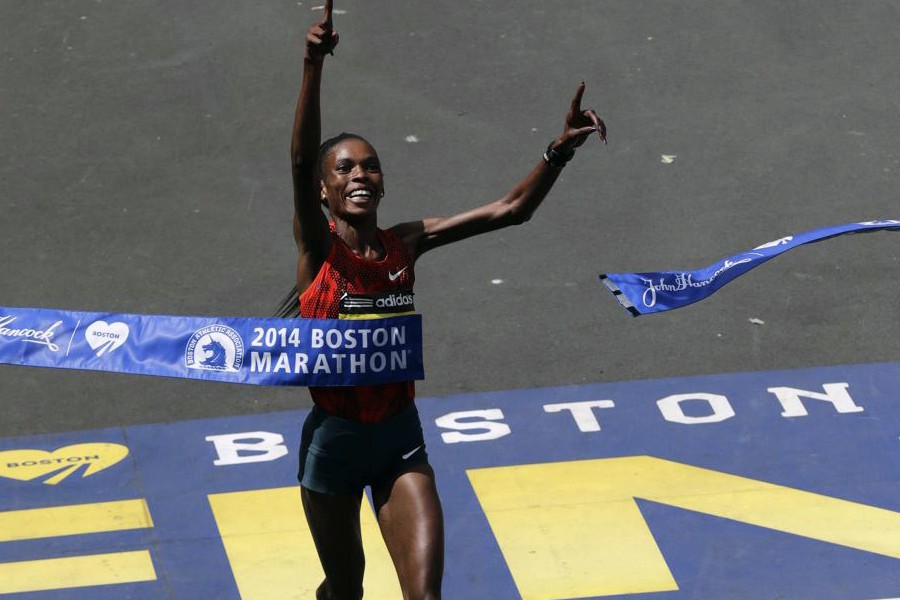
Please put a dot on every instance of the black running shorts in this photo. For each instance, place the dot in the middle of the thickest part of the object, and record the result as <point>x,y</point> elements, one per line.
<point>340,456</point>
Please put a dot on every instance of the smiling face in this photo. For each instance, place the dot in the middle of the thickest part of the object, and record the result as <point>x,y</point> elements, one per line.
<point>352,182</point>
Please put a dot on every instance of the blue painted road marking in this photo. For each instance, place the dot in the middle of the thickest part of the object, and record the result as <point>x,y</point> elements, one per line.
<point>743,486</point>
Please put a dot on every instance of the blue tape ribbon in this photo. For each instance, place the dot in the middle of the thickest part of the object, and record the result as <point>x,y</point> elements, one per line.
<point>302,352</point>
<point>645,293</point>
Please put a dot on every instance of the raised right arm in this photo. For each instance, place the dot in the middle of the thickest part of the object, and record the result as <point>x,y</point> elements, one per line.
<point>310,224</point>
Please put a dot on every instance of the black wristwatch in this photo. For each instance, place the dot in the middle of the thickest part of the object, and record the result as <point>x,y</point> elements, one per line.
<point>557,159</point>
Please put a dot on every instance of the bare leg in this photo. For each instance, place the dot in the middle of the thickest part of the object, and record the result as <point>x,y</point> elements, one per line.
<point>412,523</point>
<point>334,522</point>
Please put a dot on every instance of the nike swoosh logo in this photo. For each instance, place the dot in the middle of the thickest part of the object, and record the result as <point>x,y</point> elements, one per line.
<point>393,276</point>
<point>411,452</point>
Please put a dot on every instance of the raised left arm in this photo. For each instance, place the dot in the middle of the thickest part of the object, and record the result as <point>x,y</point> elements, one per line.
<point>520,202</point>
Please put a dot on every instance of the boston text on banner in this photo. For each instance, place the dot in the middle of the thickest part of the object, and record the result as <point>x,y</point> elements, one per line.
<point>645,293</point>
<point>256,351</point>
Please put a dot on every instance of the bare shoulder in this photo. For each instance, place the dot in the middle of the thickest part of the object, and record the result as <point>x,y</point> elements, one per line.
<point>411,233</point>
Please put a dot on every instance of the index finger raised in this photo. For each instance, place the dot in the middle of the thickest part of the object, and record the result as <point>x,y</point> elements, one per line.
<point>329,8</point>
<point>576,101</point>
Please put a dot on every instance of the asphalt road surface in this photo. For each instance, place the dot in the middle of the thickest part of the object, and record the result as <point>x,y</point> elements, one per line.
<point>144,169</point>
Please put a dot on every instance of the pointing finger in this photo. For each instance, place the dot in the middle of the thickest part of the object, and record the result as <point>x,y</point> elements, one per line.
<point>329,7</point>
<point>576,101</point>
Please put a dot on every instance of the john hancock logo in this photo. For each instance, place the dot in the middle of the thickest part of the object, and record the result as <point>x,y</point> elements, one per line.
<point>9,329</point>
<point>215,348</point>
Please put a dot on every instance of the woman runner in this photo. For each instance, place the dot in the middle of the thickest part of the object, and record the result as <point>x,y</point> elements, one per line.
<point>371,435</point>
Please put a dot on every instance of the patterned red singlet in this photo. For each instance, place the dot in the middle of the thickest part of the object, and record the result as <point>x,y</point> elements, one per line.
<point>346,287</point>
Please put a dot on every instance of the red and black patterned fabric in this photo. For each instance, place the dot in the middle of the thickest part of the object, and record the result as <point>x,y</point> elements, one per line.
<point>343,284</point>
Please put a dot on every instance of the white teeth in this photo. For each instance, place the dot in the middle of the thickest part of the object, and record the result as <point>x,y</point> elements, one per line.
<point>360,193</point>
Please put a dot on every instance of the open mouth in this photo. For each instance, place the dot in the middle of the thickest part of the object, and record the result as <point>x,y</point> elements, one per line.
<point>360,196</point>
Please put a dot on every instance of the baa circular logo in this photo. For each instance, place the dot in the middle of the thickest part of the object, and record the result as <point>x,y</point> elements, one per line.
<point>215,348</point>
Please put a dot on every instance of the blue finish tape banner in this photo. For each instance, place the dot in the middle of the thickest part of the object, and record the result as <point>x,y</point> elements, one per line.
<point>645,293</point>
<point>303,352</point>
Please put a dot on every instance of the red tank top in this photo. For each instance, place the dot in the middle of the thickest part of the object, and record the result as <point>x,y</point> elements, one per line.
<point>347,287</point>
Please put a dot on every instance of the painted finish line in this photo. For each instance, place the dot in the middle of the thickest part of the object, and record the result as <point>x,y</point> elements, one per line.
<point>742,486</point>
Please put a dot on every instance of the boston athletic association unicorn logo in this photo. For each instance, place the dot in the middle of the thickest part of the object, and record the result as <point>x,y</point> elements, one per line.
<point>215,355</point>
<point>215,348</point>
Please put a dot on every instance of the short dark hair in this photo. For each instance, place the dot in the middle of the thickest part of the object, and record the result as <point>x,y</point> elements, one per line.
<point>330,143</point>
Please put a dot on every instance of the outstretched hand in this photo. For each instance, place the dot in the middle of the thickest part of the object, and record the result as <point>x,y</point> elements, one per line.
<point>581,123</point>
<point>321,37</point>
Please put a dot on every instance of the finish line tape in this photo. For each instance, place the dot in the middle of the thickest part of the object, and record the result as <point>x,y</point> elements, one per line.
<point>645,293</point>
<point>254,351</point>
